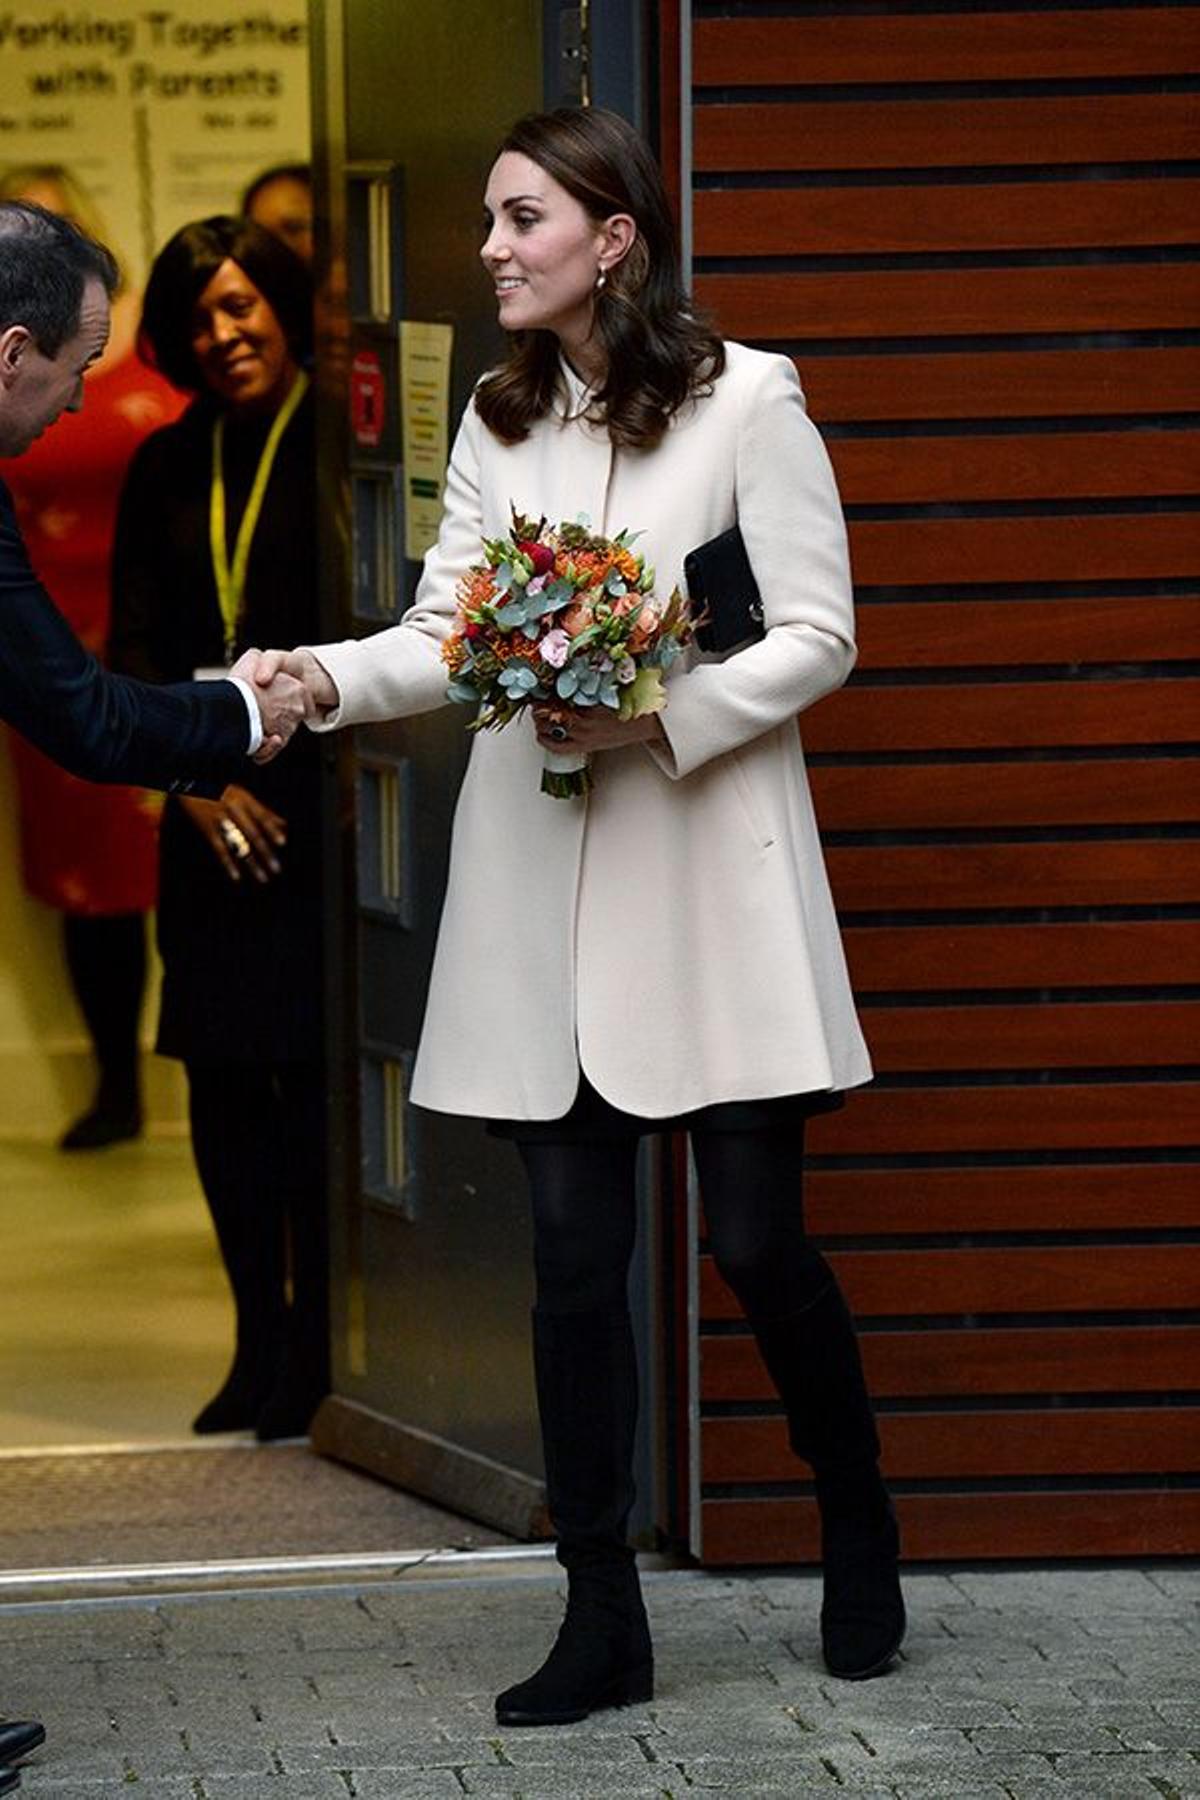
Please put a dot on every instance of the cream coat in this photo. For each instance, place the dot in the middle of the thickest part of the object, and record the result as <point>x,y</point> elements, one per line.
<point>673,933</point>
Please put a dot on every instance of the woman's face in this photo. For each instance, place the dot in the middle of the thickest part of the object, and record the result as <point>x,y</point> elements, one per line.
<point>239,344</point>
<point>542,250</point>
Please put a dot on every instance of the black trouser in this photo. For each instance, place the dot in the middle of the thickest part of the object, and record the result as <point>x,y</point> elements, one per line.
<point>258,1136</point>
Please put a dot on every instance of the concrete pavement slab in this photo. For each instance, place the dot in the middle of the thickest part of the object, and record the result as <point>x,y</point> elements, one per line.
<point>1012,1685</point>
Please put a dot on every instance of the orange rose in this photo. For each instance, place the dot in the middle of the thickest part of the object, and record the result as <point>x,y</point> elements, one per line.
<point>643,633</point>
<point>576,618</point>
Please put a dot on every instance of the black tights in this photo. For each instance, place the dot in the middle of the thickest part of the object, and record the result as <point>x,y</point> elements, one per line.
<point>584,1221</point>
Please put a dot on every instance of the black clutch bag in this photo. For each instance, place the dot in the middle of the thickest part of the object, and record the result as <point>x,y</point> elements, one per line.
<point>721,584</point>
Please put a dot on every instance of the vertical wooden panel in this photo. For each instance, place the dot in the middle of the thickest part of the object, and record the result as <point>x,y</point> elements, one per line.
<point>1010,781</point>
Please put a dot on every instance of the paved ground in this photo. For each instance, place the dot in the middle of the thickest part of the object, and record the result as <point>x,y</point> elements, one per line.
<point>1039,1683</point>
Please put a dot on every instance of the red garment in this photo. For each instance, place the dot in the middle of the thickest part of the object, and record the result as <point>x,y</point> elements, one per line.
<point>85,849</point>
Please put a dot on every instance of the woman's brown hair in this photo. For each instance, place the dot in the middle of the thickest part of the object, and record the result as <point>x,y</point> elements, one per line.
<point>659,354</point>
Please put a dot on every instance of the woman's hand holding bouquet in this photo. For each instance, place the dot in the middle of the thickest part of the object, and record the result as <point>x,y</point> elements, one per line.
<point>560,620</point>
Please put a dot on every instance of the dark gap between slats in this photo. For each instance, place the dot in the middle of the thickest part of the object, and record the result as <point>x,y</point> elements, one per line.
<point>933,344</point>
<point>864,9</point>
<point>1147,1482</point>
<point>873,1324</point>
<point>1024,425</point>
<point>1000,753</point>
<point>919,93</point>
<point>976,1239</point>
<point>897,837</point>
<point>909,999</point>
<point>887,261</point>
<point>982,175</point>
<point>1133,1399</point>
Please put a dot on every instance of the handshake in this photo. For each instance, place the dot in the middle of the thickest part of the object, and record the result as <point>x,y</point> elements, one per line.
<point>290,686</point>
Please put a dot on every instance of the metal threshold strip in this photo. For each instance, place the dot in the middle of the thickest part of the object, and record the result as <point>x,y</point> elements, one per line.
<point>131,1578</point>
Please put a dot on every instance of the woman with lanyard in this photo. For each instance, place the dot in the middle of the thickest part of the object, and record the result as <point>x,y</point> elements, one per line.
<point>215,550</point>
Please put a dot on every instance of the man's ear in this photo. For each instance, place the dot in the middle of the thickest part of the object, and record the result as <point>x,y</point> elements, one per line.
<point>15,343</point>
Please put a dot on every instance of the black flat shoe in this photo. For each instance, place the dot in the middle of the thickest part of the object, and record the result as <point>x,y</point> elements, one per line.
<point>10,1780</point>
<point>569,1687</point>
<point>288,1412</point>
<point>602,1657</point>
<point>237,1405</point>
<point>545,1700</point>
<point>863,1620</point>
<point>101,1126</point>
<point>18,1737</point>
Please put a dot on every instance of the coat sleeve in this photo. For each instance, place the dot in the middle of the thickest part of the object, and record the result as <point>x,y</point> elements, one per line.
<point>791,520</point>
<point>400,671</point>
<point>101,726</point>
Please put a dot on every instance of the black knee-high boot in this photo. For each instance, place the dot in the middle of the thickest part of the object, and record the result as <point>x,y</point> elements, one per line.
<point>813,1359</point>
<point>586,1370</point>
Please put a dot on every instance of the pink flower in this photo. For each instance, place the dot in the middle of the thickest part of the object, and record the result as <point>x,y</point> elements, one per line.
<point>555,647</point>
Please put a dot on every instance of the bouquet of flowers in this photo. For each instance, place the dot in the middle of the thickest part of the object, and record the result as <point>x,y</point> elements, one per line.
<point>558,617</point>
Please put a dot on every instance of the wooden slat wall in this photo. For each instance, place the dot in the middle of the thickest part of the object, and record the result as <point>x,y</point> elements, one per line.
<point>976,232</point>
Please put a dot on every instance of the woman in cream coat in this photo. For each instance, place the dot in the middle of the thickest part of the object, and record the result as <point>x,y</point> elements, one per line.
<point>666,950</point>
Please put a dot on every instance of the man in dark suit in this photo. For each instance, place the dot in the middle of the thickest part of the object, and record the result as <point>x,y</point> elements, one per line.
<point>55,288</point>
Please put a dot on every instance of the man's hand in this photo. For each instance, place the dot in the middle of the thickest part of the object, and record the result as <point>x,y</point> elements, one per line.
<point>297,665</point>
<point>283,702</point>
<point>242,833</point>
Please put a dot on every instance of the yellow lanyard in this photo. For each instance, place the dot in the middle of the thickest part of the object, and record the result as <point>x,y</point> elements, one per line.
<point>231,581</point>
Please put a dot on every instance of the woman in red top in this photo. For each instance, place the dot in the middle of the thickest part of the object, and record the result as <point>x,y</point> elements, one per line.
<point>90,852</point>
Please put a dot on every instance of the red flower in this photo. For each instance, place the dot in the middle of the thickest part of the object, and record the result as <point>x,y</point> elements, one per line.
<point>472,632</point>
<point>540,555</point>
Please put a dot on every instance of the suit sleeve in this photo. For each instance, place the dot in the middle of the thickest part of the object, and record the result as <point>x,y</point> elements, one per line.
<point>101,726</point>
<point>399,671</point>
<point>795,535</point>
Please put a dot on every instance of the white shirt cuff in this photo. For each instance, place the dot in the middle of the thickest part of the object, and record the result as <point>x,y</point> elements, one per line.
<point>256,730</point>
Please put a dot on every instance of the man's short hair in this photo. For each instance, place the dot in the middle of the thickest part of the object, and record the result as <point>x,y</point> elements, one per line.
<point>45,263</point>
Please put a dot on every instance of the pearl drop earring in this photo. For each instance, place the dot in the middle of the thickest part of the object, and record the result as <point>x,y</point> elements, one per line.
<point>601,280</point>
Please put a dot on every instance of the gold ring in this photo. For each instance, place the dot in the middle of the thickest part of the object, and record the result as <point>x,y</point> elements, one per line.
<point>235,839</point>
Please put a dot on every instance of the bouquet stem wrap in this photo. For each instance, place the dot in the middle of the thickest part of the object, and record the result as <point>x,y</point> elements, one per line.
<point>567,774</point>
